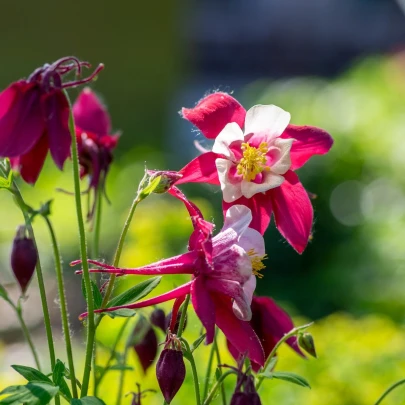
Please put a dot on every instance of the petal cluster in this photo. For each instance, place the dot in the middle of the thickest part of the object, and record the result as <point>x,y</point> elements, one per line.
<point>34,116</point>
<point>253,158</point>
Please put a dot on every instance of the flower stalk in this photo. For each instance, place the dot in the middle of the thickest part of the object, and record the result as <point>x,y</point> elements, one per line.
<point>63,305</point>
<point>83,254</point>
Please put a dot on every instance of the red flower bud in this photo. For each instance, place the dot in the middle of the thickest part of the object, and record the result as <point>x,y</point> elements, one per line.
<point>158,318</point>
<point>24,257</point>
<point>145,343</point>
<point>170,372</point>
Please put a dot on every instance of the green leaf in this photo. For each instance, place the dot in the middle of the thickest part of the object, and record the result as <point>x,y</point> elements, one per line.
<point>121,313</point>
<point>197,342</point>
<point>271,365</point>
<point>135,293</point>
<point>97,297</point>
<point>31,374</point>
<point>3,293</point>
<point>30,394</point>
<point>87,401</point>
<point>58,378</point>
<point>287,376</point>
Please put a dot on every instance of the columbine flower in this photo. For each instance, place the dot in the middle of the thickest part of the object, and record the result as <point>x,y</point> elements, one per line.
<point>223,269</point>
<point>253,159</point>
<point>270,323</point>
<point>24,258</point>
<point>94,139</point>
<point>34,116</point>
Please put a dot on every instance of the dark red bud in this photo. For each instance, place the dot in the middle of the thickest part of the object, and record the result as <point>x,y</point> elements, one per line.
<point>146,348</point>
<point>158,318</point>
<point>23,258</point>
<point>170,373</point>
<point>245,398</point>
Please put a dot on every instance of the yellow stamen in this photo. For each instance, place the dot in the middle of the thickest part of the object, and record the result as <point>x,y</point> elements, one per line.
<point>257,262</point>
<point>253,161</point>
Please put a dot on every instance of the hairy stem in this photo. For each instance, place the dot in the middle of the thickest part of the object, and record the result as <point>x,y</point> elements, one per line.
<point>63,306</point>
<point>83,255</point>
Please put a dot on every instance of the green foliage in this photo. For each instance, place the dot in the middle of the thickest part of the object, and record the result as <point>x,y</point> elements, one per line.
<point>30,394</point>
<point>31,374</point>
<point>87,401</point>
<point>97,297</point>
<point>287,376</point>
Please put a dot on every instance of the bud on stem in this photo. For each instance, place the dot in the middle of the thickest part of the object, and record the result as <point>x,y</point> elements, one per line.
<point>24,258</point>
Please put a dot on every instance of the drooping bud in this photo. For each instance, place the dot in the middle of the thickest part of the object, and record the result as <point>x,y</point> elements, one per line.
<point>170,369</point>
<point>24,257</point>
<point>306,341</point>
<point>167,179</point>
<point>249,395</point>
<point>145,343</point>
<point>158,318</point>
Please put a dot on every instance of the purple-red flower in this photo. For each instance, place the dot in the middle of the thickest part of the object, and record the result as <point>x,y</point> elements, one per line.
<point>270,323</point>
<point>223,269</point>
<point>34,115</point>
<point>253,159</point>
<point>94,139</point>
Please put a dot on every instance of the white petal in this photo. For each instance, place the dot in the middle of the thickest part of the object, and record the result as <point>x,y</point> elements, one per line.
<point>238,217</point>
<point>269,120</point>
<point>249,288</point>
<point>230,191</point>
<point>271,180</point>
<point>252,239</point>
<point>232,132</point>
<point>284,163</point>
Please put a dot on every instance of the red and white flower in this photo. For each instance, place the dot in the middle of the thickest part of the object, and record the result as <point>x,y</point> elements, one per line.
<point>253,159</point>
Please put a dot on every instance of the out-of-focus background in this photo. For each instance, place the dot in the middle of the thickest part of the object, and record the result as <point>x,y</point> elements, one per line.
<point>337,64</point>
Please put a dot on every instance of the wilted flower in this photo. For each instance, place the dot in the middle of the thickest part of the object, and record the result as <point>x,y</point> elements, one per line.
<point>34,115</point>
<point>170,369</point>
<point>253,159</point>
<point>158,319</point>
<point>94,139</point>
<point>24,258</point>
<point>224,269</point>
<point>270,324</point>
<point>145,343</point>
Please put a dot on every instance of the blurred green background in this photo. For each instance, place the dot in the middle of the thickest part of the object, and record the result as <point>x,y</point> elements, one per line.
<point>160,56</point>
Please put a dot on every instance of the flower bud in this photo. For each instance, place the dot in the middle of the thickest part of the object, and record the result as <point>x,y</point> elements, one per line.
<point>145,343</point>
<point>167,179</point>
<point>306,341</point>
<point>170,372</point>
<point>24,257</point>
<point>249,395</point>
<point>158,318</point>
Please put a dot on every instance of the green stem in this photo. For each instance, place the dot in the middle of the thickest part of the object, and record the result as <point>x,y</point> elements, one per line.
<point>47,320</point>
<point>118,252</point>
<point>97,224</point>
<point>112,354</point>
<point>183,316</point>
<point>190,358</point>
<point>18,311</point>
<point>393,386</point>
<point>83,255</point>
<point>208,372</point>
<point>122,377</point>
<point>223,395</point>
<point>292,332</point>
<point>211,395</point>
<point>63,305</point>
